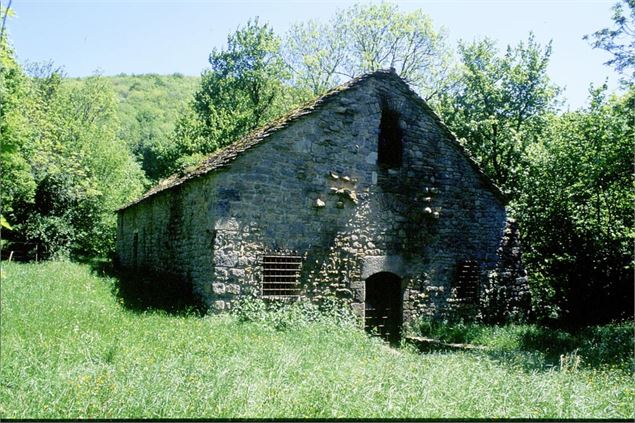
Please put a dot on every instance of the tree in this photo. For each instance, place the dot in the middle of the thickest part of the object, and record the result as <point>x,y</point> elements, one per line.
<point>576,211</point>
<point>149,106</point>
<point>15,178</point>
<point>499,105</point>
<point>249,82</point>
<point>619,40</point>
<point>242,89</point>
<point>366,38</point>
<point>82,172</point>
<point>315,54</point>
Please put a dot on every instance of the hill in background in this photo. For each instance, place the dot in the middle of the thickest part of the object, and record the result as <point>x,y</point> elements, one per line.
<point>149,107</point>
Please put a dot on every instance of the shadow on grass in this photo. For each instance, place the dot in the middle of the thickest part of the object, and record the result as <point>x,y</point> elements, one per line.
<point>144,291</point>
<point>603,346</point>
<point>540,348</point>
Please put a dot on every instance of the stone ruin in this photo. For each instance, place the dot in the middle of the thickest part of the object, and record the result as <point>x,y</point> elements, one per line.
<point>364,195</point>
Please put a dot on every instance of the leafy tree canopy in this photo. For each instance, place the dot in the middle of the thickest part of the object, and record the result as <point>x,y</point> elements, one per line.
<point>365,38</point>
<point>619,40</point>
<point>499,103</point>
<point>15,178</point>
<point>149,107</point>
<point>67,169</point>
<point>576,207</point>
<point>242,89</point>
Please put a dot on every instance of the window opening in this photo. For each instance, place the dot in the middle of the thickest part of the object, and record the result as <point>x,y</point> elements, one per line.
<point>389,148</point>
<point>280,276</point>
<point>468,281</point>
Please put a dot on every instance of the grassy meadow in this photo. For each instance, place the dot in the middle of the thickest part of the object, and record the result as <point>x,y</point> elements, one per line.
<point>71,348</point>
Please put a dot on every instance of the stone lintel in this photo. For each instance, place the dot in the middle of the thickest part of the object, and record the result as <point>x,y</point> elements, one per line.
<point>376,264</point>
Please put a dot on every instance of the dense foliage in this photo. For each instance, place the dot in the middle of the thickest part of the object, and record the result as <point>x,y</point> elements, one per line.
<point>68,169</point>
<point>499,105</point>
<point>576,206</point>
<point>568,176</point>
<point>16,179</point>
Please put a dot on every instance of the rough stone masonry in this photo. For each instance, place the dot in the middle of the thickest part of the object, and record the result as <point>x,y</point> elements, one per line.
<point>364,184</point>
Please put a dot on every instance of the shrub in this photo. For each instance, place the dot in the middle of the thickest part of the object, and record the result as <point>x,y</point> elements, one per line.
<point>284,314</point>
<point>610,344</point>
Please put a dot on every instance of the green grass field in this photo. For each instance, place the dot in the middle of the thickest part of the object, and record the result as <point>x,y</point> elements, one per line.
<point>71,349</point>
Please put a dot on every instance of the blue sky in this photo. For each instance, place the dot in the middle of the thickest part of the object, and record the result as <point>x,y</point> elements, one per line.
<point>143,36</point>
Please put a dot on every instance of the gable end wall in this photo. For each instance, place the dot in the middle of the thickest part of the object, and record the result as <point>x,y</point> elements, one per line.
<point>428,215</point>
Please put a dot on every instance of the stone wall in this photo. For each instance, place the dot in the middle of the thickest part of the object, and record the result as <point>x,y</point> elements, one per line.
<point>315,189</point>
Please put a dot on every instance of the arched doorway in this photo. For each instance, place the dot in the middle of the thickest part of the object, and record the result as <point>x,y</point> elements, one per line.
<point>383,305</point>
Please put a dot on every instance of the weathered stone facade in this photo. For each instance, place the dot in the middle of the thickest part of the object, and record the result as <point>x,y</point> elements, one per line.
<point>315,185</point>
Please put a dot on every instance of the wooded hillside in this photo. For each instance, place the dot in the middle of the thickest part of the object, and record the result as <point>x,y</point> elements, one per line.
<point>149,107</point>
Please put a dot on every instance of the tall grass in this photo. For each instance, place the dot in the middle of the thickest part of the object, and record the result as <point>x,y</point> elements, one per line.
<point>609,347</point>
<point>71,349</point>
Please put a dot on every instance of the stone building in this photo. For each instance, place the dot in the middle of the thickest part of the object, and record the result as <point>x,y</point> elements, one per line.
<point>364,195</point>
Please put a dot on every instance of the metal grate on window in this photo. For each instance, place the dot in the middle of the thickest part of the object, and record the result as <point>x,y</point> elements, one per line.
<point>468,281</point>
<point>280,276</point>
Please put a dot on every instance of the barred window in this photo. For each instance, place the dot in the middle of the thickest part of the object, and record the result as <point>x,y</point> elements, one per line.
<point>280,276</point>
<point>468,280</point>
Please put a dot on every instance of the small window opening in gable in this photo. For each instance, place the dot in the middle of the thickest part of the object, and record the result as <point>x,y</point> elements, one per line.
<point>468,281</point>
<point>390,147</point>
<point>280,276</point>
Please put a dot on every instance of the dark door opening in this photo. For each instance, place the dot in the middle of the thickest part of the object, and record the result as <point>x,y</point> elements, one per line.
<point>383,305</point>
